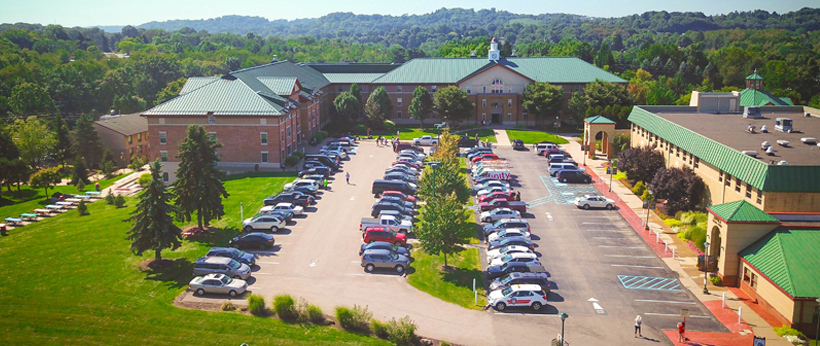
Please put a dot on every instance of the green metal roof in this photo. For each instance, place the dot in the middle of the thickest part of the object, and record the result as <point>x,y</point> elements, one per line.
<point>541,69</point>
<point>598,119</point>
<point>282,86</point>
<point>194,83</point>
<point>348,78</point>
<point>754,76</point>
<point>757,97</point>
<point>308,77</point>
<point>741,211</point>
<point>226,96</point>
<point>765,177</point>
<point>353,67</point>
<point>789,258</point>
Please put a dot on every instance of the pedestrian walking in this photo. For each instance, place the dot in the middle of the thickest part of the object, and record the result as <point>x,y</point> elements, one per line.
<point>347,178</point>
<point>681,330</point>
<point>638,327</point>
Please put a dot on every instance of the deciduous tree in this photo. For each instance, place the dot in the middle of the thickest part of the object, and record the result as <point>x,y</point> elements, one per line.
<point>452,103</point>
<point>152,226</point>
<point>347,106</point>
<point>682,188</point>
<point>199,187</point>
<point>443,228</point>
<point>640,163</point>
<point>45,178</point>
<point>33,139</point>
<point>422,105</point>
<point>577,107</point>
<point>543,99</point>
<point>378,107</point>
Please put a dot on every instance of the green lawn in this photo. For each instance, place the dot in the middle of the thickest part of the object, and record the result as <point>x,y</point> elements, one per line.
<point>71,280</point>
<point>408,134</point>
<point>532,137</point>
<point>455,284</point>
<point>12,206</point>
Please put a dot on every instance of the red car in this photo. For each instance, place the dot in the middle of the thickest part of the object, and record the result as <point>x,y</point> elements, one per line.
<point>399,194</point>
<point>406,145</point>
<point>496,195</point>
<point>487,156</point>
<point>372,234</point>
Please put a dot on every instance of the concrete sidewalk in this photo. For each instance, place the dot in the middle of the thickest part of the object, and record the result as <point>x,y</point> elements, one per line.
<point>682,259</point>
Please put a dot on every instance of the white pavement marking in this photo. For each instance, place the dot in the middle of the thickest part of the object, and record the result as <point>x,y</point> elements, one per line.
<point>596,306</point>
<point>615,238</point>
<point>549,216</point>
<point>623,247</point>
<point>607,230</point>
<point>285,243</point>
<point>663,301</point>
<point>313,262</point>
<point>352,198</point>
<point>355,261</point>
<point>631,266</point>
<point>268,262</point>
<point>522,313</point>
<point>628,256</point>
<point>676,315</point>
<point>262,273</point>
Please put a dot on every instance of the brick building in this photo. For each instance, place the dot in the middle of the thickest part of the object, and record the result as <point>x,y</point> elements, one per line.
<point>125,136</point>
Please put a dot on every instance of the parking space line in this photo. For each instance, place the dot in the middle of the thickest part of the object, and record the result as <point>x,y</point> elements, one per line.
<point>676,315</point>
<point>607,230</point>
<point>268,262</point>
<point>664,301</point>
<point>522,313</point>
<point>262,273</point>
<point>629,256</point>
<point>633,266</point>
<point>614,238</point>
<point>622,247</point>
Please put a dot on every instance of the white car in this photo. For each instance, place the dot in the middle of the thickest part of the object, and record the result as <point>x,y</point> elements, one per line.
<point>593,201</point>
<point>491,183</point>
<point>425,140</point>
<point>506,233</point>
<point>498,214</point>
<point>522,257</point>
<point>295,209</point>
<point>340,153</point>
<point>217,283</point>
<point>313,185</point>
<point>263,222</point>
<point>490,190</point>
<point>518,295</point>
<point>498,253</point>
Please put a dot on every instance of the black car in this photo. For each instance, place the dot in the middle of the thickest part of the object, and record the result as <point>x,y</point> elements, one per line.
<point>400,176</point>
<point>400,250</point>
<point>238,255</point>
<point>253,240</point>
<point>568,176</point>
<point>518,278</point>
<point>518,145</point>
<point>502,242</point>
<point>290,197</point>
<point>466,142</point>
<point>316,170</point>
<point>304,190</point>
<point>512,267</point>
<point>314,164</point>
<point>391,206</point>
<point>401,169</point>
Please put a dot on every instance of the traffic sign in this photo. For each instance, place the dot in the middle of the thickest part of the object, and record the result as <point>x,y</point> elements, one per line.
<point>684,312</point>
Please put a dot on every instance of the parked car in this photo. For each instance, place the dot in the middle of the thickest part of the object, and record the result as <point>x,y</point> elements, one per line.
<point>318,178</point>
<point>268,210</point>
<point>238,255</point>
<point>290,197</point>
<point>400,176</point>
<point>516,278</point>
<point>325,171</point>
<point>395,213</point>
<point>490,190</point>
<point>491,183</point>
<point>499,271</point>
<point>324,159</point>
<point>379,258</point>
<point>593,201</point>
<point>508,233</point>
<point>288,207</point>
<point>498,214</point>
<point>408,145</point>
<point>481,179</point>
<point>528,258</point>
<point>425,140</point>
<point>518,145</point>
<point>305,190</point>
<point>412,163</point>
<point>338,152</point>
<point>266,222</point>
<point>403,196</point>
<point>254,240</point>
<point>217,283</point>
<point>506,223</point>
<point>413,152</point>
<point>573,177</point>
<point>379,206</point>
<point>380,186</point>
<point>383,245</point>
<point>501,252</point>
<point>401,169</point>
<point>372,234</point>
<point>398,200</point>
<point>518,295</point>
<point>221,265</point>
<point>390,222</point>
<point>521,207</point>
<point>504,242</point>
<point>311,184</point>
<point>316,164</point>
<point>484,156</point>
<point>554,168</point>
<point>496,195</point>
<point>466,142</point>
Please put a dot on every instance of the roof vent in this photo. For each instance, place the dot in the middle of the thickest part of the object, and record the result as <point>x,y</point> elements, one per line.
<point>782,163</point>
<point>809,140</point>
<point>770,151</point>
<point>513,53</point>
<point>783,142</point>
<point>751,128</point>
<point>472,55</point>
<point>765,145</point>
<point>274,59</point>
<point>764,129</point>
<point>751,112</point>
<point>751,153</point>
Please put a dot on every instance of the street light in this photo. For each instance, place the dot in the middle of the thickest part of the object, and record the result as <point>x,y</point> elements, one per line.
<point>706,267</point>
<point>611,173</point>
<point>433,165</point>
<point>563,317</point>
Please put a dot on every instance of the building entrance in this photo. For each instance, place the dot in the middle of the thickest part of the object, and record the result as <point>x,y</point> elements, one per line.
<point>496,118</point>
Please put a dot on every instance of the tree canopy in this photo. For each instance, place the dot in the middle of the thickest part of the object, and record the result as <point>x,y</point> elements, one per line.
<point>421,107</point>
<point>452,103</point>
<point>199,188</point>
<point>378,107</point>
<point>543,99</point>
<point>152,226</point>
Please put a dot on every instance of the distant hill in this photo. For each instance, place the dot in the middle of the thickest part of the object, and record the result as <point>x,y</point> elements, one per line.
<point>111,28</point>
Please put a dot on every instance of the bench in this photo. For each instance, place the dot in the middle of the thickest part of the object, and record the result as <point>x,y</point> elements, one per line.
<point>29,216</point>
<point>43,212</point>
<point>72,200</point>
<point>65,204</point>
<point>440,126</point>
<point>92,193</point>
<point>14,221</point>
<point>83,196</point>
<point>55,207</point>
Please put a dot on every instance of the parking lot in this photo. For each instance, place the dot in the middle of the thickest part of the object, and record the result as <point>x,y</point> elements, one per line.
<point>602,273</point>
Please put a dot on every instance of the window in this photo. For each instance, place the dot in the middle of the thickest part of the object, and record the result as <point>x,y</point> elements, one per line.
<point>748,190</point>
<point>484,90</point>
<point>165,177</point>
<point>131,151</point>
<point>398,101</point>
<point>747,277</point>
<point>163,138</point>
<point>509,116</point>
<point>469,90</point>
<point>737,184</point>
<point>288,131</point>
<point>162,121</point>
<point>576,88</point>
<point>283,155</point>
<point>753,282</point>
<point>483,116</point>
<point>264,138</point>
<point>263,121</point>
<point>484,103</point>
<point>728,180</point>
<point>759,197</point>
<point>163,154</point>
<point>139,148</point>
<point>340,89</point>
<point>130,139</point>
<point>720,176</point>
<point>398,115</point>
<point>213,136</point>
<point>524,114</point>
<point>398,88</point>
<point>211,120</point>
<point>697,162</point>
<point>264,157</point>
<point>289,150</point>
<point>509,103</point>
<point>497,86</point>
<point>282,137</point>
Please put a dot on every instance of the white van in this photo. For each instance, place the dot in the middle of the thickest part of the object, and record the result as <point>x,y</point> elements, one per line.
<point>563,166</point>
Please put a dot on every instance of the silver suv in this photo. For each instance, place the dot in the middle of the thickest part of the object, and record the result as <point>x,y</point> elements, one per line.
<point>221,265</point>
<point>380,258</point>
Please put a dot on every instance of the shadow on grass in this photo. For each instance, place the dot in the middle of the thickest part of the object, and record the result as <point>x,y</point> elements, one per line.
<point>260,174</point>
<point>461,277</point>
<point>24,195</point>
<point>177,273</point>
<point>217,237</point>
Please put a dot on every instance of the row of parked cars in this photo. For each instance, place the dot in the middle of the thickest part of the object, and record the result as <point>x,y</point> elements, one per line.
<point>561,164</point>
<point>515,274</point>
<point>223,270</point>
<point>384,234</point>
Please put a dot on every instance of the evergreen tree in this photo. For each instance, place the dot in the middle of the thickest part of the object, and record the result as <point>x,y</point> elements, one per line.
<point>153,227</point>
<point>8,154</point>
<point>198,187</point>
<point>422,105</point>
<point>604,57</point>
<point>62,149</point>
<point>88,141</point>
<point>80,173</point>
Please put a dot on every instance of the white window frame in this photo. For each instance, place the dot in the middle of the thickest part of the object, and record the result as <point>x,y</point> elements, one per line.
<point>163,155</point>
<point>435,88</point>
<point>469,90</point>
<point>264,157</point>
<point>165,177</point>
<point>398,88</point>
<point>398,101</point>
<point>212,136</point>
<point>163,138</point>
<point>398,114</point>
<point>263,138</point>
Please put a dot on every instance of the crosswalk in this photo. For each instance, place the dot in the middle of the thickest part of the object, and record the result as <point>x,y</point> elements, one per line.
<point>561,193</point>
<point>649,283</point>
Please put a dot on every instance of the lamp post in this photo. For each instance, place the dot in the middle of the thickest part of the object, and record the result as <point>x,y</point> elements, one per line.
<point>563,317</point>
<point>433,165</point>
<point>706,267</point>
<point>611,173</point>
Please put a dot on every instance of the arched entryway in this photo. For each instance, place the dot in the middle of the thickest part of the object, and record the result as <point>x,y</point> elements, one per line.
<point>714,242</point>
<point>598,127</point>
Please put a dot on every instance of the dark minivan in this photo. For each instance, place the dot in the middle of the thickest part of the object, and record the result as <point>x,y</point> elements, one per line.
<point>381,185</point>
<point>324,159</point>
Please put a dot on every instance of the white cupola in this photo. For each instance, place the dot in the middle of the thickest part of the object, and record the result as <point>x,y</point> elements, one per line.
<point>494,53</point>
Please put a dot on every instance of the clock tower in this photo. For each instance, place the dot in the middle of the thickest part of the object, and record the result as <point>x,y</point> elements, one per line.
<point>494,53</point>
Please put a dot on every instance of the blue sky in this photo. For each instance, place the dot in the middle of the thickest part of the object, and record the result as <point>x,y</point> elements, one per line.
<point>119,12</point>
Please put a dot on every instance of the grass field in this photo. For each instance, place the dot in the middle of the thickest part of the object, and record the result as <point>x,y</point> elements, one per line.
<point>71,280</point>
<point>532,137</point>
<point>455,284</point>
<point>11,206</point>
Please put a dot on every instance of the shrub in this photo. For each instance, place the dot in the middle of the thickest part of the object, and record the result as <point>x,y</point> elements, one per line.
<point>300,154</point>
<point>319,137</point>
<point>682,188</point>
<point>640,163</point>
<point>646,196</point>
<point>379,328</point>
<point>108,168</point>
<point>793,335</point>
<point>144,180</point>
<point>389,125</point>
<point>82,208</point>
<point>80,186</point>
<point>256,305</point>
<point>639,188</point>
<point>285,307</point>
<point>314,314</point>
<point>796,340</point>
<point>357,318</point>
<point>678,215</point>
<point>228,306</point>
<point>403,331</point>
<point>716,280</point>
<point>291,161</point>
<point>444,343</point>
<point>109,199</point>
<point>323,133</point>
<point>119,201</point>
<point>137,162</point>
<point>360,129</point>
<point>693,218</point>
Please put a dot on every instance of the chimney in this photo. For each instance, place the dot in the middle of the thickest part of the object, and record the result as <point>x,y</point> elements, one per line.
<point>472,55</point>
<point>513,53</point>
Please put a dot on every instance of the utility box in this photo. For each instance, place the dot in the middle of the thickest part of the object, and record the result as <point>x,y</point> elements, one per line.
<point>783,125</point>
